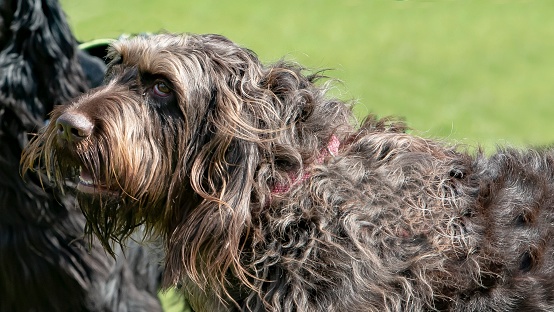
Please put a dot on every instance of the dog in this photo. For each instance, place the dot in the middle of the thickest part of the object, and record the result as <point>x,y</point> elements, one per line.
<point>46,263</point>
<point>269,196</point>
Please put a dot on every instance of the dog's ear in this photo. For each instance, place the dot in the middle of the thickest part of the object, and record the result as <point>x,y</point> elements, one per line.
<point>257,117</point>
<point>249,122</point>
<point>251,127</point>
<point>223,156</point>
<point>240,139</point>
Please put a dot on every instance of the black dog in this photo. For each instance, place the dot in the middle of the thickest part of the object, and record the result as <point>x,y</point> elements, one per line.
<point>45,265</point>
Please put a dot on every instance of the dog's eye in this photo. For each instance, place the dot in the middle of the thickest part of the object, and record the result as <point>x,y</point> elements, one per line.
<point>161,89</point>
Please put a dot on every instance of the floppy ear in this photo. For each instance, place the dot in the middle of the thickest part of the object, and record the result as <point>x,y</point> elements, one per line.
<point>257,126</point>
<point>226,153</point>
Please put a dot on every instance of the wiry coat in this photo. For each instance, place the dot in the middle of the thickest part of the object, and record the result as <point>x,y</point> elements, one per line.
<point>228,160</point>
<point>45,262</point>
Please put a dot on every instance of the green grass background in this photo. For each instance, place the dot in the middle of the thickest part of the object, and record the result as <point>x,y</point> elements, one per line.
<point>468,71</point>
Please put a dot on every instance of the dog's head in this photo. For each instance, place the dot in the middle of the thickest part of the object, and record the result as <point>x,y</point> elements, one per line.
<point>188,135</point>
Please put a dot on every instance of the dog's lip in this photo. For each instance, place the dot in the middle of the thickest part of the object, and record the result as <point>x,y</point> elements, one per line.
<point>86,184</point>
<point>85,177</point>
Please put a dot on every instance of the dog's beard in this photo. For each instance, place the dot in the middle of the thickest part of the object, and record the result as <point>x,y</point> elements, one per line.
<point>108,217</point>
<point>109,209</point>
<point>112,213</point>
<point>113,200</point>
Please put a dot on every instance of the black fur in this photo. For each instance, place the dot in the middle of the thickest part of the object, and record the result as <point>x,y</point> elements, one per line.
<point>45,265</point>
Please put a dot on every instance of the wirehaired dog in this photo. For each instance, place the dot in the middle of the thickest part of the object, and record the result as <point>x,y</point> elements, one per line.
<point>45,262</point>
<point>270,198</point>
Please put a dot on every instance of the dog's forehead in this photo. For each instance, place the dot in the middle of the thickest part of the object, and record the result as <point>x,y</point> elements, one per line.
<point>166,55</point>
<point>184,59</point>
<point>143,50</point>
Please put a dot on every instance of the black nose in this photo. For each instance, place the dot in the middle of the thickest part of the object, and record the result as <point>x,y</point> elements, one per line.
<point>73,127</point>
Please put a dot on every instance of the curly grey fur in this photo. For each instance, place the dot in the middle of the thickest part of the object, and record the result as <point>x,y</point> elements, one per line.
<point>191,134</point>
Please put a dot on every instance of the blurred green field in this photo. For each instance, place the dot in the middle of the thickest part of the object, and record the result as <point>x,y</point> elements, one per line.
<point>465,70</point>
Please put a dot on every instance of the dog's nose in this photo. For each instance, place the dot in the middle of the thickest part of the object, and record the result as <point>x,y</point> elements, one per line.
<point>73,127</point>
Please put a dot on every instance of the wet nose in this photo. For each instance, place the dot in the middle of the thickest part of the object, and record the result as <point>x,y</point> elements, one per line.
<point>73,127</point>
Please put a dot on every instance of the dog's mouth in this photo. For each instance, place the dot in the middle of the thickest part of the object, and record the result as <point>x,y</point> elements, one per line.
<point>88,185</point>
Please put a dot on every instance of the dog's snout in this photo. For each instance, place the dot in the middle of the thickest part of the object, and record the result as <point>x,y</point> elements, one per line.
<point>74,127</point>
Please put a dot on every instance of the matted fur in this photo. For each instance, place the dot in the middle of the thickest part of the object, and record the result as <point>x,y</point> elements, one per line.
<point>191,134</point>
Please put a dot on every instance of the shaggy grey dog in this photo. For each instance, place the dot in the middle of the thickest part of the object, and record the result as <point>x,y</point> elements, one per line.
<point>46,264</point>
<point>270,198</point>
